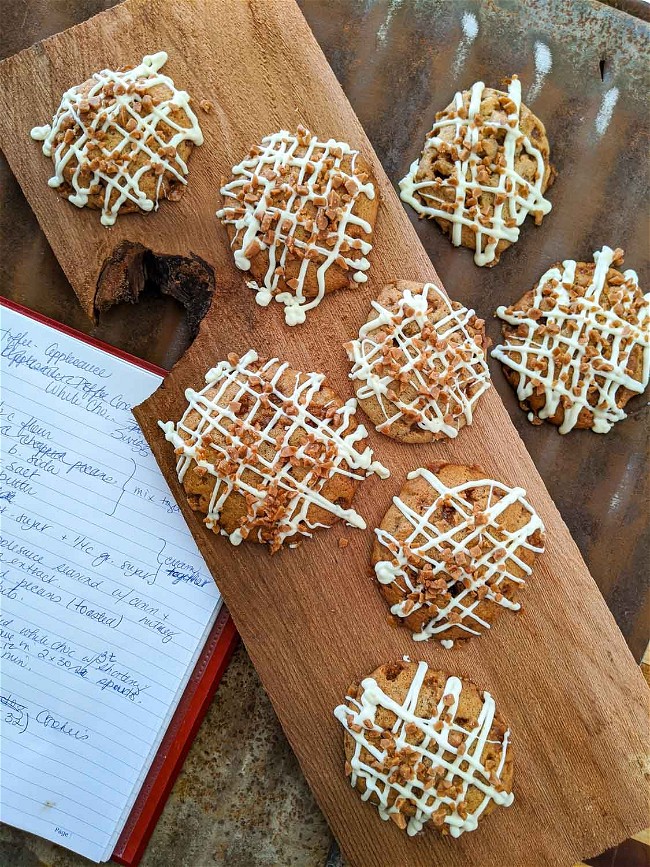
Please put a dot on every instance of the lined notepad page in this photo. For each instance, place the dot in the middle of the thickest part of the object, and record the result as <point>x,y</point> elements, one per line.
<point>105,600</point>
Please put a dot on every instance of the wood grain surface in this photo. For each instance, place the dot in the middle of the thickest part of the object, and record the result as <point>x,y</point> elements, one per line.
<point>311,619</point>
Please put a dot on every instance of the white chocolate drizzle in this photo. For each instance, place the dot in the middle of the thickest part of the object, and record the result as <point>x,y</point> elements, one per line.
<point>459,764</point>
<point>291,183</point>
<point>433,357</point>
<point>268,484</point>
<point>119,103</point>
<point>573,349</point>
<point>466,561</point>
<point>456,198</point>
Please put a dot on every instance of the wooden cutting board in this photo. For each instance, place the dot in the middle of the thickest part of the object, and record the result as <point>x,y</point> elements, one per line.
<point>311,618</point>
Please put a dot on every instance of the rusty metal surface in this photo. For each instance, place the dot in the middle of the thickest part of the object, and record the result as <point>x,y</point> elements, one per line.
<point>241,800</point>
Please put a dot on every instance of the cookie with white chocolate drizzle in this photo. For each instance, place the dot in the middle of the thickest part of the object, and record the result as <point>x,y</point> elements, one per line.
<point>426,747</point>
<point>419,363</point>
<point>268,453</point>
<point>299,214</point>
<point>120,141</point>
<point>484,168</point>
<point>453,551</point>
<point>577,346</point>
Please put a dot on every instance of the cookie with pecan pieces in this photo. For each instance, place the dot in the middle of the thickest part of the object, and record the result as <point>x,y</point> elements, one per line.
<point>453,550</point>
<point>424,746</point>
<point>300,213</point>
<point>121,141</point>
<point>577,346</point>
<point>268,453</point>
<point>419,363</point>
<point>485,167</point>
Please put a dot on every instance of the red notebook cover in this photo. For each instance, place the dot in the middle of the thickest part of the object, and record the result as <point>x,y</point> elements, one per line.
<point>199,691</point>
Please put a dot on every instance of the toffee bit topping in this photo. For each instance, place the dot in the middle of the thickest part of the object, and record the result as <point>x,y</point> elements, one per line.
<point>582,341</point>
<point>457,554</point>
<point>267,438</point>
<point>421,363</point>
<point>476,183</point>
<point>425,767</point>
<point>117,106</point>
<point>298,198</point>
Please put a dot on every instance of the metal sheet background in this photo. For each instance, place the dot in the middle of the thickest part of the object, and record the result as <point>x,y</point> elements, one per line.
<point>400,61</point>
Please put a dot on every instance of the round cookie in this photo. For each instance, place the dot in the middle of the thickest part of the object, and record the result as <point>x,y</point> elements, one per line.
<point>299,213</point>
<point>419,363</point>
<point>268,453</point>
<point>453,550</point>
<point>121,140</point>
<point>577,346</point>
<point>485,166</point>
<point>424,746</point>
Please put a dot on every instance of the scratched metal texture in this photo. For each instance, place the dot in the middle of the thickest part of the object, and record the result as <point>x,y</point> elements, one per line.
<point>241,800</point>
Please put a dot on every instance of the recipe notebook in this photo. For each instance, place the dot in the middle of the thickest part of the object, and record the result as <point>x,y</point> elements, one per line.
<point>111,636</point>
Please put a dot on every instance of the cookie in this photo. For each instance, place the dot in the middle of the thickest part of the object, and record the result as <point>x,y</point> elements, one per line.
<point>425,746</point>
<point>419,363</point>
<point>120,141</point>
<point>268,453</point>
<point>453,551</point>
<point>299,213</point>
<point>485,166</point>
<point>577,346</point>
